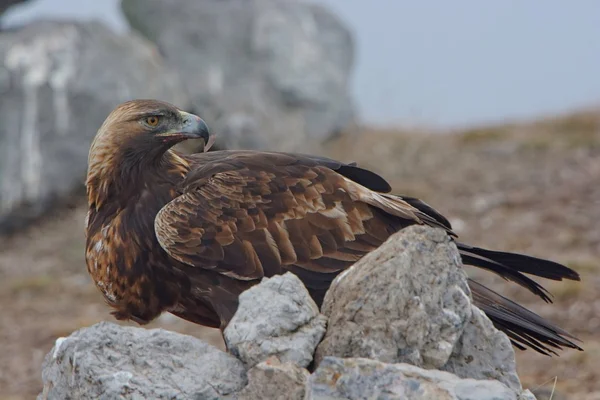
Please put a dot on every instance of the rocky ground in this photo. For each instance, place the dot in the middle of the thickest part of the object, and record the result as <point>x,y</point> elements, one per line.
<point>527,187</point>
<point>367,342</point>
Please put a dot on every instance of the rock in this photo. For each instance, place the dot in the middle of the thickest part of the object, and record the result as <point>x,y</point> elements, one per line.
<point>483,352</point>
<point>273,380</point>
<point>407,301</point>
<point>359,378</point>
<point>58,82</point>
<point>108,361</point>
<point>265,74</point>
<point>276,317</point>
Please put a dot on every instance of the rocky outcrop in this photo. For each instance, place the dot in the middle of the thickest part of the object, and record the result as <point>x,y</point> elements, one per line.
<point>409,302</point>
<point>406,303</point>
<point>58,83</point>
<point>107,361</point>
<point>382,306</point>
<point>274,380</point>
<point>277,317</point>
<point>359,378</point>
<point>265,74</point>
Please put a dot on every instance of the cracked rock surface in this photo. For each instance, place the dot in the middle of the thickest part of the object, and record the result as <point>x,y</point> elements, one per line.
<point>274,380</point>
<point>277,317</point>
<point>108,361</point>
<point>359,378</point>
<point>407,301</point>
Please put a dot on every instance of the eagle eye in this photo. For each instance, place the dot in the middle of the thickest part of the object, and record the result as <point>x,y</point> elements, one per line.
<point>152,120</point>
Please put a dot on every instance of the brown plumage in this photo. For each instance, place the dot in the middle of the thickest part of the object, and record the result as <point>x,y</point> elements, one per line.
<point>188,234</point>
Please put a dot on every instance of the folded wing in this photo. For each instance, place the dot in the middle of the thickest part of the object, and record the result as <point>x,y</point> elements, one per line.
<point>251,215</point>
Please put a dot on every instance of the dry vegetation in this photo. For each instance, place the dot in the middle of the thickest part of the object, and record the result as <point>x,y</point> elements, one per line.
<point>528,187</point>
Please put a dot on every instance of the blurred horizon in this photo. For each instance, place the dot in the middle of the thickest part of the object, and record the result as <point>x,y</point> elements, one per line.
<point>445,66</point>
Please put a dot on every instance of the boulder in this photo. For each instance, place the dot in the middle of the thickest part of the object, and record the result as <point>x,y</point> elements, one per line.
<point>108,361</point>
<point>409,302</point>
<point>359,378</point>
<point>276,318</point>
<point>265,74</point>
<point>58,82</point>
<point>274,380</point>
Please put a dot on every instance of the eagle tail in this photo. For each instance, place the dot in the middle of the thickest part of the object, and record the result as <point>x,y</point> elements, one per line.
<point>512,266</point>
<point>523,327</point>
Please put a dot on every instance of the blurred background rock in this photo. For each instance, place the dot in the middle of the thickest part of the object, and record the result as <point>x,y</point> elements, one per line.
<point>488,111</point>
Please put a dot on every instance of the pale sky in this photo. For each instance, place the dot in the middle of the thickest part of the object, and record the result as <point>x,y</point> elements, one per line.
<point>445,63</point>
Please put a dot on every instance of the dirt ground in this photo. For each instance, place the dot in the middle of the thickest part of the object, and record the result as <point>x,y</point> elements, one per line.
<point>530,187</point>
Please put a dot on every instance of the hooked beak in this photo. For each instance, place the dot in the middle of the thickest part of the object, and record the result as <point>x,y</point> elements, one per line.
<point>191,127</point>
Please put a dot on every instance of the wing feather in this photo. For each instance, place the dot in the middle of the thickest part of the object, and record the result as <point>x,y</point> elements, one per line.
<point>253,217</point>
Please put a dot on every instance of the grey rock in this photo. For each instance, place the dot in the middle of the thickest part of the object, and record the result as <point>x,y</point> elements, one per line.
<point>273,380</point>
<point>275,318</point>
<point>58,82</point>
<point>483,352</point>
<point>357,378</point>
<point>280,68</point>
<point>108,361</point>
<point>407,301</point>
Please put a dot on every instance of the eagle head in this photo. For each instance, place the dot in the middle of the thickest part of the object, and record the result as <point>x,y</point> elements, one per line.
<point>147,127</point>
<point>136,135</point>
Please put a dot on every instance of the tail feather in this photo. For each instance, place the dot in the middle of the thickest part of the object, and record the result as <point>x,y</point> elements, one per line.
<point>526,264</point>
<point>523,327</point>
<point>506,273</point>
<point>511,266</point>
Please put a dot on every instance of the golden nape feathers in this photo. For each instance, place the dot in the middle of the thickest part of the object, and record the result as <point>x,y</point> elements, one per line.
<point>188,234</point>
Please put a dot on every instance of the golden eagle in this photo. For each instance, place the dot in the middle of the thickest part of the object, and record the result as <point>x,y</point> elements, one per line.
<point>186,234</point>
